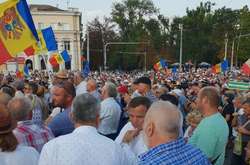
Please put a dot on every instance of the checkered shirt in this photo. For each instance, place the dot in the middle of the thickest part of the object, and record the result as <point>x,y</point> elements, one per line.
<point>30,134</point>
<point>174,153</point>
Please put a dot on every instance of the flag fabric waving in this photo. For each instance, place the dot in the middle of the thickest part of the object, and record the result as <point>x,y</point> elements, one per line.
<point>221,67</point>
<point>86,69</point>
<point>162,64</point>
<point>65,56</point>
<point>246,67</point>
<point>49,38</point>
<point>17,29</point>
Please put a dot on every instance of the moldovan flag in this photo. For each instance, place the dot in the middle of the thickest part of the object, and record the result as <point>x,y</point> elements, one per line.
<point>246,67</point>
<point>17,29</point>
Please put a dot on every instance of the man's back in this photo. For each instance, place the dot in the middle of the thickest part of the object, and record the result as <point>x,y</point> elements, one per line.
<point>110,116</point>
<point>176,152</point>
<point>61,124</point>
<point>84,146</point>
<point>211,137</point>
<point>29,134</point>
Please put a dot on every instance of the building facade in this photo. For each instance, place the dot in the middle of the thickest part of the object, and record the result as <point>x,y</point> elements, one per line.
<point>67,26</point>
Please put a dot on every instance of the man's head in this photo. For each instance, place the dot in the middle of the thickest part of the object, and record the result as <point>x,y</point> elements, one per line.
<point>63,94</point>
<point>238,101</point>
<point>109,90</point>
<point>78,78</point>
<point>144,85</point>
<point>61,76</point>
<point>208,99</point>
<point>162,123</point>
<point>4,98</point>
<point>85,110</point>
<point>246,106</point>
<point>137,109</point>
<point>91,85</point>
<point>20,108</point>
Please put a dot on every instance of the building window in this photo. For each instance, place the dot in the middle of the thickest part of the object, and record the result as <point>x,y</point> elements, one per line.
<point>66,45</point>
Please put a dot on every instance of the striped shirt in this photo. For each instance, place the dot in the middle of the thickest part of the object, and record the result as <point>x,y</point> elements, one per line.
<point>30,134</point>
<point>176,152</point>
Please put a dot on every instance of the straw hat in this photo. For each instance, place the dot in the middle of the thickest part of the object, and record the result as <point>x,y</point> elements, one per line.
<point>62,74</point>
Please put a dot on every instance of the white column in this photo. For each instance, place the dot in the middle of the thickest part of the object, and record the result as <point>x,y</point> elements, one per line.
<point>73,55</point>
<point>36,62</point>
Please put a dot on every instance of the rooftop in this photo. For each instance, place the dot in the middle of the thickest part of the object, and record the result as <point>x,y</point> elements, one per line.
<point>38,7</point>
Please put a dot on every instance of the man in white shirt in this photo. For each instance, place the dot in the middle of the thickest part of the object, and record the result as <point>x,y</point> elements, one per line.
<point>131,134</point>
<point>80,83</point>
<point>84,145</point>
<point>110,112</point>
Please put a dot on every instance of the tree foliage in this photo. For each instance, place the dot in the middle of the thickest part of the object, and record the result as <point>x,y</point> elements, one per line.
<point>205,31</point>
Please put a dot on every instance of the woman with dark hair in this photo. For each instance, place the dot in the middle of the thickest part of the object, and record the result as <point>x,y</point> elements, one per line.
<point>10,152</point>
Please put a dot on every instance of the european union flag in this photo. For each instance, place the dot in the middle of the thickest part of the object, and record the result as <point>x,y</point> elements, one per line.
<point>164,63</point>
<point>86,69</point>
<point>26,71</point>
<point>174,70</point>
<point>65,56</point>
<point>49,39</point>
<point>224,65</point>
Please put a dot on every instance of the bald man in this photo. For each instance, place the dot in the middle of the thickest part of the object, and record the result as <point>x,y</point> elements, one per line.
<point>161,131</point>
<point>92,89</point>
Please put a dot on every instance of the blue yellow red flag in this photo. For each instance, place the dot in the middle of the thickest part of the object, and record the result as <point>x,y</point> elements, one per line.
<point>17,29</point>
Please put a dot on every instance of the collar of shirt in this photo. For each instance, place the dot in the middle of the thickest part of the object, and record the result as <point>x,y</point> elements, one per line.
<point>108,99</point>
<point>173,145</point>
<point>26,122</point>
<point>85,129</point>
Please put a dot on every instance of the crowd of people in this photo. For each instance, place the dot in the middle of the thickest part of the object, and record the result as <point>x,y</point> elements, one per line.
<point>130,118</point>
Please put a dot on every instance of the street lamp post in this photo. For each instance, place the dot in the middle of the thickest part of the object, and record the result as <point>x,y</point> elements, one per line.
<point>181,29</point>
<point>117,43</point>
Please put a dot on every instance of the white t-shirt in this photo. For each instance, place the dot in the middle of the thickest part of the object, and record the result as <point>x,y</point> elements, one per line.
<point>137,146</point>
<point>23,155</point>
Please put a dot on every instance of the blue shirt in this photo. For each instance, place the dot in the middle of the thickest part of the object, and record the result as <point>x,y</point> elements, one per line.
<point>61,124</point>
<point>176,152</point>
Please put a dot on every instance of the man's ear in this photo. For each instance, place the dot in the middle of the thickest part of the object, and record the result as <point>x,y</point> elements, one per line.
<point>71,117</point>
<point>150,129</point>
<point>97,120</point>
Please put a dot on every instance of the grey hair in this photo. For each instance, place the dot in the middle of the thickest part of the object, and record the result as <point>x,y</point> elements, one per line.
<point>20,107</point>
<point>79,74</point>
<point>85,108</point>
<point>167,117</point>
<point>111,89</point>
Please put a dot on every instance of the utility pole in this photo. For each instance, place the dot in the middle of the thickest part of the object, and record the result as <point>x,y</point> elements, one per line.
<point>232,56</point>
<point>181,29</point>
<point>226,41</point>
<point>88,43</point>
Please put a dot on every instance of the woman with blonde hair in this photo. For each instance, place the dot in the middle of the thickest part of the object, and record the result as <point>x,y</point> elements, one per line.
<point>193,119</point>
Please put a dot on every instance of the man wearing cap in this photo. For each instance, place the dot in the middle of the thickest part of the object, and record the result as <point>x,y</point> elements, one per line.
<point>60,76</point>
<point>144,88</point>
<point>62,96</point>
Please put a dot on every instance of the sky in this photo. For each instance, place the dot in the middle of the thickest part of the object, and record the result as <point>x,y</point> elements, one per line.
<point>170,8</point>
